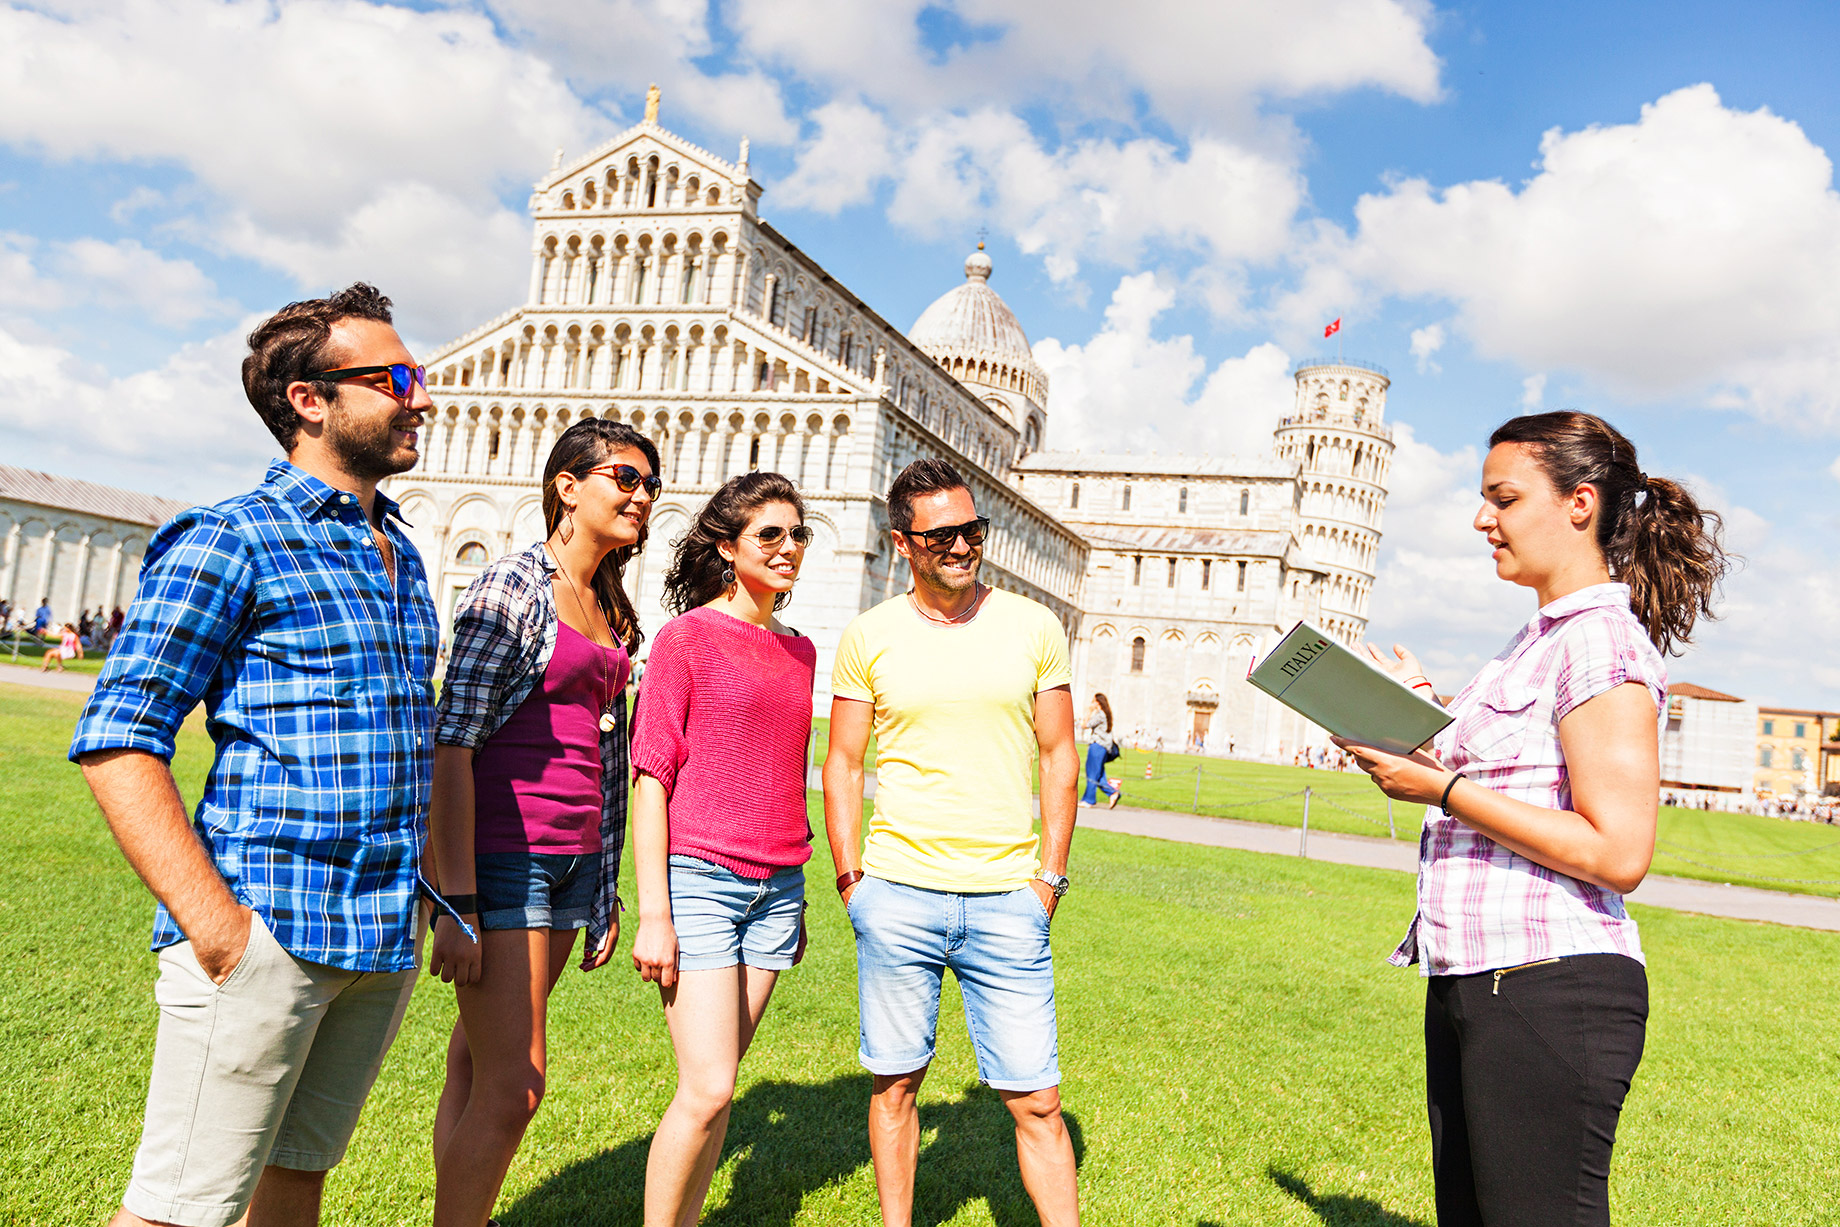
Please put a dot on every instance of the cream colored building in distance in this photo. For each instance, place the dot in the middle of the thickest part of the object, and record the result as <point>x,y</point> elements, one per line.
<point>660,297</point>
<point>1795,751</point>
<point>75,543</point>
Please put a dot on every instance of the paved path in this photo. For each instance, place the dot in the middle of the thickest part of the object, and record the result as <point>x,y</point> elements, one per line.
<point>1678,894</point>
<point>28,675</point>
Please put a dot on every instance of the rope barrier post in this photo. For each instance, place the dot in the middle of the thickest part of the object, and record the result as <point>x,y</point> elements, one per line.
<point>1196,808</point>
<point>1303,842</point>
<point>1390,832</point>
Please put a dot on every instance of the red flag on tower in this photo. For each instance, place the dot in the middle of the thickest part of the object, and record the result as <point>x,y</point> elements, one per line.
<point>1334,328</point>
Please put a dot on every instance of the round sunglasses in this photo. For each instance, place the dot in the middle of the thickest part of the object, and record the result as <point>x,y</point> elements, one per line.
<point>629,479</point>
<point>403,377</point>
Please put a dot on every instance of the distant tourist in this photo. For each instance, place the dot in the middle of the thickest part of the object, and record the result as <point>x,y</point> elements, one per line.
<point>720,835</point>
<point>41,620</point>
<point>109,632</point>
<point>963,687</point>
<point>529,811</point>
<point>1101,749</point>
<point>1548,781</point>
<point>70,647</point>
<point>288,921</point>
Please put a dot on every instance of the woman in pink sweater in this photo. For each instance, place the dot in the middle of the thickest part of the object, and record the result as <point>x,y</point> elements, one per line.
<point>720,835</point>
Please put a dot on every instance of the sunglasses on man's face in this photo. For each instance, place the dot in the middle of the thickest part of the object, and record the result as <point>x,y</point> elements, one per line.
<point>774,537</point>
<point>941,540</point>
<point>403,377</point>
<point>629,479</point>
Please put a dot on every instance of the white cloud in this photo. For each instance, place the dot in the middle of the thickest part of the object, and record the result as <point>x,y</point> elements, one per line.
<point>306,123</point>
<point>1533,391</point>
<point>842,163</point>
<point>1126,389</point>
<point>114,278</point>
<point>1687,253</point>
<point>1427,341</point>
<point>181,429</point>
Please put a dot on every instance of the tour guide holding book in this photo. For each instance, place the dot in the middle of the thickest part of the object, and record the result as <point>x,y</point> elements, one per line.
<point>1546,787</point>
<point>963,686</point>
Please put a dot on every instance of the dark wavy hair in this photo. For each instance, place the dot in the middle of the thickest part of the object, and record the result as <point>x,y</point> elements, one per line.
<point>928,475</point>
<point>293,343</point>
<point>1105,705</point>
<point>583,446</point>
<point>695,577</point>
<point>1653,534</point>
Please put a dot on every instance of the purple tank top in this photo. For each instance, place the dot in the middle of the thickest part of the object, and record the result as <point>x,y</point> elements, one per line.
<point>537,780</point>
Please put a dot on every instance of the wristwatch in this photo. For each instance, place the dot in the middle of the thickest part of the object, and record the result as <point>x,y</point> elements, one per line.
<point>1057,882</point>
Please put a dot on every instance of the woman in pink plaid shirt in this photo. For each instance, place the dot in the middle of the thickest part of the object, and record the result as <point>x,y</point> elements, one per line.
<point>1545,790</point>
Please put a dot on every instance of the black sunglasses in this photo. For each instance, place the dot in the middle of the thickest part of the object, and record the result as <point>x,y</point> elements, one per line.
<point>940,540</point>
<point>403,377</point>
<point>629,479</point>
<point>773,536</point>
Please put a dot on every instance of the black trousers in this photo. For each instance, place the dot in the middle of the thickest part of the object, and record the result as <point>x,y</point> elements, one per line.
<point>1526,1070</point>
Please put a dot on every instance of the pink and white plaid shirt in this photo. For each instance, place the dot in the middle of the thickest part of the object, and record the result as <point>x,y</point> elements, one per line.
<point>1480,906</point>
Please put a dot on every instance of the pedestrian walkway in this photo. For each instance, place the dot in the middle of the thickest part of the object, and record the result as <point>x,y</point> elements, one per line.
<point>24,675</point>
<point>1657,890</point>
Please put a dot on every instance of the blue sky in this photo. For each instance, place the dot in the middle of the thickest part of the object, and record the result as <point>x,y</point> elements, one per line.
<point>1625,208</point>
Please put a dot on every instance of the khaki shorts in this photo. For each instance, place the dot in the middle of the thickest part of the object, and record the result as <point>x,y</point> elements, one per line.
<point>270,1067</point>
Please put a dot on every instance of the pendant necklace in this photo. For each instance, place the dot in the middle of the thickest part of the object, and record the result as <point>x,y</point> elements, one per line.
<point>606,720</point>
<point>957,620</point>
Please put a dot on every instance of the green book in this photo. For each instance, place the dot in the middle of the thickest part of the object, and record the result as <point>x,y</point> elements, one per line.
<point>1315,676</point>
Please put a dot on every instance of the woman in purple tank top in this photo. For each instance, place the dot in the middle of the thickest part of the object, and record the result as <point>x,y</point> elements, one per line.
<point>528,815</point>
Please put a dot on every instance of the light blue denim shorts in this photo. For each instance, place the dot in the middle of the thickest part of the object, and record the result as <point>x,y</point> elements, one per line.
<point>997,947</point>
<point>723,918</point>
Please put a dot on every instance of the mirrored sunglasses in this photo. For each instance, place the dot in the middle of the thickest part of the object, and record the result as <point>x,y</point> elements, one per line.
<point>629,479</point>
<point>940,540</point>
<point>403,377</point>
<point>774,537</point>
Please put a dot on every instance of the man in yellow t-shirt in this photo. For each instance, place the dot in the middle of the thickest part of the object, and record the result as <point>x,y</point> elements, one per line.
<point>963,688</point>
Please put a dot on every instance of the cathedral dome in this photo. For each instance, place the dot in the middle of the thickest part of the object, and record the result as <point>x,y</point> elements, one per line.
<point>971,332</point>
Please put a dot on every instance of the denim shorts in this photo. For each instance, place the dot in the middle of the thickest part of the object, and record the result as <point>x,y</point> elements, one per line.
<point>723,918</point>
<point>997,947</point>
<point>535,890</point>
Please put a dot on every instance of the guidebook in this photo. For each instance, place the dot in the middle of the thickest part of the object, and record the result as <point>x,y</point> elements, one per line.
<point>1314,675</point>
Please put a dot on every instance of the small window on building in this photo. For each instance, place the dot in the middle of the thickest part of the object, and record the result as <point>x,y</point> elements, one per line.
<point>1182,500</point>
<point>1245,501</point>
<point>1207,565</point>
<point>1172,572</point>
<point>1801,730</point>
<point>1137,571</point>
<point>1127,496</point>
<point>492,445</point>
<point>1764,755</point>
<point>1798,760</point>
<point>754,454</point>
<point>472,554</point>
<point>1241,582</point>
<point>1769,728</point>
<point>1073,499</point>
<point>1137,654</point>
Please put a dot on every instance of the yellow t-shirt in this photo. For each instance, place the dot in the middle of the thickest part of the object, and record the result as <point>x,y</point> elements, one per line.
<point>955,737</point>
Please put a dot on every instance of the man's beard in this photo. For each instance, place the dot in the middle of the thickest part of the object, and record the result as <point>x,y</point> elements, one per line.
<point>366,451</point>
<point>929,568</point>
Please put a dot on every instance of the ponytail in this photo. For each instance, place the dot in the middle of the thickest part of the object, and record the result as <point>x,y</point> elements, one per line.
<point>1653,534</point>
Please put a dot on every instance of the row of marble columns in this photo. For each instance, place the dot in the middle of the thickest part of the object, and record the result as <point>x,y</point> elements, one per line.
<point>638,278</point>
<point>68,596</point>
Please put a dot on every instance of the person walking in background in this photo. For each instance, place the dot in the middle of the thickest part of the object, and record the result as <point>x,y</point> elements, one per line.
<point>529,811</point>
<point>1545,790</point>
<point>963,687</point>
<point>70,647</point>
<point>116,618</point>
<point>41,618</point>
<point>288,921</point>
<point>720,835</point>
<point>1100,750</point>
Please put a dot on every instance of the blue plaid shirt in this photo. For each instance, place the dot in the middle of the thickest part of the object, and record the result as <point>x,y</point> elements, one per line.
<point>274,608</point>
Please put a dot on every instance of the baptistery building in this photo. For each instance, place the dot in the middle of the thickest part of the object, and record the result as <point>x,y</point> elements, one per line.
<point>660,297</point>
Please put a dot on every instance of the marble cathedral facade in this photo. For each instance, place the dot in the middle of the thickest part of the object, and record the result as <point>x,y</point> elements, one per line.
<point>660,297</point>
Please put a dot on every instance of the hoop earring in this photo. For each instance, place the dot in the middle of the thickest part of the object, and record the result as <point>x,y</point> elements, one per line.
<point>568,527</point>
<point>728,577</point>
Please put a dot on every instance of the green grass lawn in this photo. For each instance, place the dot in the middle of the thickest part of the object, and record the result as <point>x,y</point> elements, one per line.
<point>1235,1051</point>
<point>32,652</point>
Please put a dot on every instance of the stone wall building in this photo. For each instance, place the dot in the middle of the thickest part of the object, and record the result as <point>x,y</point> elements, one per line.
<point>660,297</point>
<point>74,542</point>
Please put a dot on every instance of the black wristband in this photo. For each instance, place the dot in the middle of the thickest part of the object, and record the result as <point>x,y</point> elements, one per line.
<point>466,905</point>
<point>1444,801</point>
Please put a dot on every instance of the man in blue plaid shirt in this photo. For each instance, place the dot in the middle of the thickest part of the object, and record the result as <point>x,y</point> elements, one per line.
<point>288,922</point>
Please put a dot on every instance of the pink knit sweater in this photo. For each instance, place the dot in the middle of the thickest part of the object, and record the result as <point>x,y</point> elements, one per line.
<point>723,722</point>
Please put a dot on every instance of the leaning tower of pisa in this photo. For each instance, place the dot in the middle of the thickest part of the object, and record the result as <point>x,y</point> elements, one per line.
<point>1338,435</point>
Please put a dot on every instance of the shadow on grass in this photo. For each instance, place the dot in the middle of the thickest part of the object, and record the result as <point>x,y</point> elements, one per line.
<point>794,1139</point>
<point>1337,1209</point>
